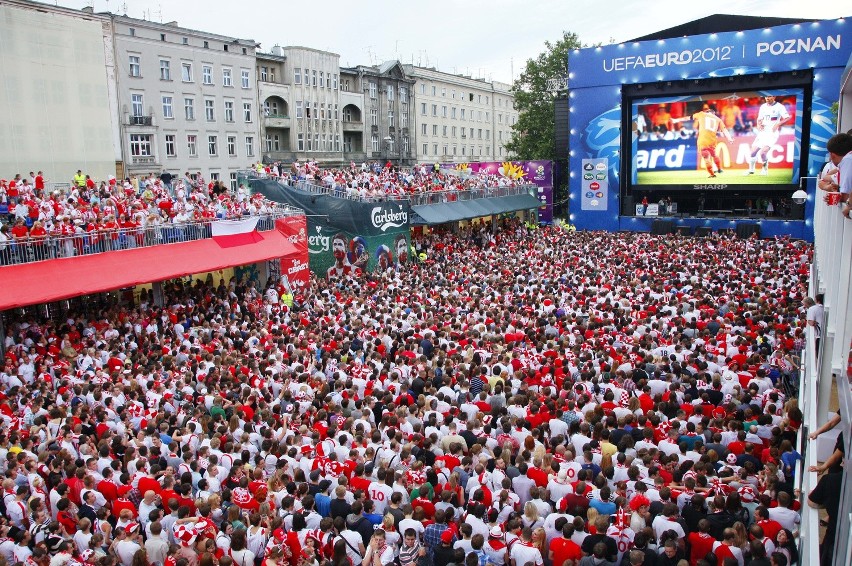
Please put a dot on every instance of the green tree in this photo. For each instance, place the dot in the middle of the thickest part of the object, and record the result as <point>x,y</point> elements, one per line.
<point>532,134</point>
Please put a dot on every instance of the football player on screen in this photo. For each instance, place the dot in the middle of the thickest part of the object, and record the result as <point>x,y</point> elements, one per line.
<point>708,125</point>
<point>771,116</point>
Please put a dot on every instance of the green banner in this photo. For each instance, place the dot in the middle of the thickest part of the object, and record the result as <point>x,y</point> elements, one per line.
<point>335,253</point>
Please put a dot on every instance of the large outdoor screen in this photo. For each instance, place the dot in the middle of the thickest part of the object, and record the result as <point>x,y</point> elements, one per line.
<point>723,139</point>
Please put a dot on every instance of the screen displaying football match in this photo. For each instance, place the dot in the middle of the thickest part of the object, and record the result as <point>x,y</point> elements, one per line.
<point>727,138</point>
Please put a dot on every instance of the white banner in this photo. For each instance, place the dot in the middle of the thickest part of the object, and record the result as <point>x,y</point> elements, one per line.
<point>231,227</point>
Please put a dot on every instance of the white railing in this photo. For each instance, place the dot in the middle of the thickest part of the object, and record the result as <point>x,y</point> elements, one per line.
<point>809,537</point>
<point>831,276</point>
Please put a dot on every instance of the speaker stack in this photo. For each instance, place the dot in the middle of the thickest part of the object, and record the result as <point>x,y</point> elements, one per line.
<point>662,227</point>
<point>745,231</point>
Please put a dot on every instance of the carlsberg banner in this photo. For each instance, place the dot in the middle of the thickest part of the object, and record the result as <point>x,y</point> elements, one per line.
<point>381,240</point>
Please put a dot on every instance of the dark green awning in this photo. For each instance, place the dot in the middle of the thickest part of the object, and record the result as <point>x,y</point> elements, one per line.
<point>465,210</point>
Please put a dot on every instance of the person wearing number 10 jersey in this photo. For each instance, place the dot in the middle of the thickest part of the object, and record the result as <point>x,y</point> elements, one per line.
<point>709,125</point>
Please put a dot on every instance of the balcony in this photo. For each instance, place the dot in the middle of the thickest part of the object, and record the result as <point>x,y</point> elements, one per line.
<point>353,126</point>
<point>276,121</point>
<point>143,160</point>
<point>140,121</point>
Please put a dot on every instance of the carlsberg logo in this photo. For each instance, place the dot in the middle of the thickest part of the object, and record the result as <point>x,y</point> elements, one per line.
<point>384,219</point>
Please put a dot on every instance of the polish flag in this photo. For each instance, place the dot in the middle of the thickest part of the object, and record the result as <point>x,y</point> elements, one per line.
<point>230,233</point>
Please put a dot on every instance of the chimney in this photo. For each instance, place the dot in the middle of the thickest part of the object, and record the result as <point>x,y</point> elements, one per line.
<point>88,9</point>
<point>276,50</point>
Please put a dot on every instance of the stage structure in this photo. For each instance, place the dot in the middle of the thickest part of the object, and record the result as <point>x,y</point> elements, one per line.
<point>704,132</point>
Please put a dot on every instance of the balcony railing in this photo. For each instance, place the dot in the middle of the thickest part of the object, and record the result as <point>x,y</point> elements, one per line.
<point>141,120</point>
<point>144,160</point>
<point>29,250</point>
<point>827,373</point>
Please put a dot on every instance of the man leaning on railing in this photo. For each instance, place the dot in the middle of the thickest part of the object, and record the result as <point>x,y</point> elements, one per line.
<point>836,177</point>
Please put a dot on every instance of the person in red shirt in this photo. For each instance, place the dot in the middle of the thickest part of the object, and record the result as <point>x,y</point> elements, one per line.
<point>700,542</point>
<point>563,549</point>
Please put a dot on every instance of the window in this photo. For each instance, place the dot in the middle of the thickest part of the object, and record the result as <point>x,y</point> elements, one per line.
<point>453,92</point>
<point>499,118</point>
<point>297,76</point>
<point>167,107</point>
<point>422,88</point>
<point>165,70</point>
<point>374,116</point>
<point>444,130</point>
<point>434,129</point>
<point>132,32</point>
<point>454,131</point>
<point>453,113</point>
<point>488,134</point>
<point>462,113</point>
<point>390,90</point>
<point>226,77</point>
<point>405,144</point>
<point>434,90</point>
<point>446,149</point>
<point>435,149</point>
<point>322,79</point>
<point>135,66</point>
<point>443,111</point>
<point>244,78</point>
<point>310,145</point>
<point>207,74</point>
<point>487,116</point>
<point>479,133</point>
<point>372,90</point>
<point>233,177</point>
<point>403,117</point>
<point>208,111</point>
<point>374,142</point>
<point>136,105</point>
<point>335,81</point>
<point>423,129</point>
<point>336,112</point>
<point>434,110</point>
<point>347,144</point>
<point>347,114</point>
<point>191,145</point>
<point>422,108</point>
<point>170,146</point>
<point>455,150</point>
<point>425,149</point>
<point>403,95</point>
<point>186,41</point>
<point>232,146</point>
<point>390,118</point>
<point>140,145</point>
<point>186,72</point>
<point>486,100</point>
<point>299,111</point>
<point>189,108</point>
<point>273,142</point>
<point>229,111</point>
<point>211,145</point>
<point>214,176</point>
<point>464,150</point>
<point>162,37</point>
<point>314,78</point>
<point>247,112</point>
<point>300,142</point>
<point>264,74</point>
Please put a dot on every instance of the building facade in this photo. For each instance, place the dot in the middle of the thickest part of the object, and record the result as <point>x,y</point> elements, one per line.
<point>187,100</point>
<point>59,108</point>
<point>352,116</point>
<point>388,129</point>
<point>460,119</point>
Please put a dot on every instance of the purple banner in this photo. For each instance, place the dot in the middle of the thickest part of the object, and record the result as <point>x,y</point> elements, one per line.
<point>539,173</point>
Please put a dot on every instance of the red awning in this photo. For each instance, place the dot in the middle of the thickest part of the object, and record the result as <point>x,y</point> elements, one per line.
<point>54,280</point>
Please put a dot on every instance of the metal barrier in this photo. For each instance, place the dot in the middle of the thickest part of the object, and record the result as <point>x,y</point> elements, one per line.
<point>28,250</point>
<point>429,197</point>
<point>832,276</point>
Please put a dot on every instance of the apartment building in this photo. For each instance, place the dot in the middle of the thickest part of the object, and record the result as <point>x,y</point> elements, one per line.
<point>388,128</point>
<point>187,100</point>
<point>459,118</point>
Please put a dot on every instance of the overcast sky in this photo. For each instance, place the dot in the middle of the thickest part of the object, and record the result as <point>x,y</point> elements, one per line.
<point>488,38</point>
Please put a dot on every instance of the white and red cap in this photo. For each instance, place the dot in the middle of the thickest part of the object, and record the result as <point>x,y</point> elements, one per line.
<point>185,534</point>
<point>747,494</point>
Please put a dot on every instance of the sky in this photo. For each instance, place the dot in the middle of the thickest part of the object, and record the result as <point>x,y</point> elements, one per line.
<point>492,39</point>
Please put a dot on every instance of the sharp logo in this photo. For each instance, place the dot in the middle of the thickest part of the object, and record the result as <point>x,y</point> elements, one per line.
<point>318,243</point>
<point>384,218</point>
<point>701,187</point>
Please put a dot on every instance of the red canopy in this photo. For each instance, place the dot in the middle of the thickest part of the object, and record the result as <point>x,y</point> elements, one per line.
<point>47,281</point>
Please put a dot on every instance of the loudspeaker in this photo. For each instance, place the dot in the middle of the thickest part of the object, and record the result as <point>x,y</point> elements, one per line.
<point>797,211</point>
<point>745,231</point>
<point>662,227</point>
<point>561,127</point>
<point>627,206</point>
<point>703,231</point>
<point>683,231</point>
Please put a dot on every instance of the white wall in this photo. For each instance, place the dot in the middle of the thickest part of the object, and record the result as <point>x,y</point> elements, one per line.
<point>54,97</point>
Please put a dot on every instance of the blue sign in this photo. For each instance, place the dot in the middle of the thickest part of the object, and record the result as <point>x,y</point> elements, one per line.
<point>595,97</point>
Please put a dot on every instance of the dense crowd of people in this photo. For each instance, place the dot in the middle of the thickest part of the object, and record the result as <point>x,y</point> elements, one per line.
<point>38,221</point>
<point>373,181</point>
<point>521,398</point>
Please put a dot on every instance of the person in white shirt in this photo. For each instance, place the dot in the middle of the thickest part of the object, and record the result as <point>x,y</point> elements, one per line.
<point>782,513</point>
